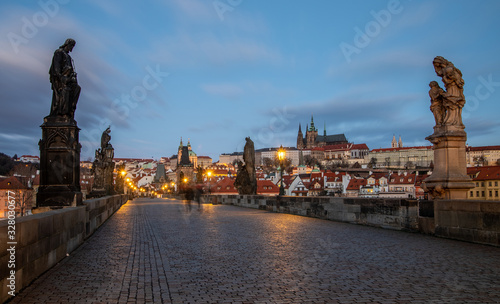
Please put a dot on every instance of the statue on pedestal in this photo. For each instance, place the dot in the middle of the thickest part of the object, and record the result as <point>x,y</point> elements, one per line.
<point>103,167</point>
<point>246,179</point>
<point>449,179</point>
<point>60,147</point>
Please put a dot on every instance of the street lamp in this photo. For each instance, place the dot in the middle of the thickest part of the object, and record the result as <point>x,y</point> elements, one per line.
<point>281,157</point>
<point>209,173</point>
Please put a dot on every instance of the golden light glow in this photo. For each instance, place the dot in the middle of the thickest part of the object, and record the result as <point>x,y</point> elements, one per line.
<point>281,153</point>
<point>209,173</point>
<point>185,180</point>
<point>123,172</point>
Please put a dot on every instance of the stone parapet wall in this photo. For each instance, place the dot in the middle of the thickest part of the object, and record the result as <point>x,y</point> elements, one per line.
<point>398,214</point>
<point>44,239</point>
<point>468,220</point>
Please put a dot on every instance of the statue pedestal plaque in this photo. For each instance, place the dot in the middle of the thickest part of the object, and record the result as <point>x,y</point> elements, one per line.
<point>59,163</point>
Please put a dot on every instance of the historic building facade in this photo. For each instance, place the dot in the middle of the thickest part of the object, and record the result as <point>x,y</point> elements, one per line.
<point>313,140</point>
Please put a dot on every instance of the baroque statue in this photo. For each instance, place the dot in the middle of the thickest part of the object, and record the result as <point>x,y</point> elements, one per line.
<point>447,105</point>
<point>65,88</point>
<point>449,179</point>
<point>246,179</point>
<point>103,166</point>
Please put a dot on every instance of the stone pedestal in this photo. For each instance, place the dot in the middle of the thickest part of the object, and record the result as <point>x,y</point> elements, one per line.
<point>449,179</point>
<point>59,163</point>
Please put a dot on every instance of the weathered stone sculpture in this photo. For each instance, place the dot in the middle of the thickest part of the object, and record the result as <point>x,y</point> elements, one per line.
<point>59,146</point>
<point>449,179</point>
<point>246,180</point>
<point>103,167</point>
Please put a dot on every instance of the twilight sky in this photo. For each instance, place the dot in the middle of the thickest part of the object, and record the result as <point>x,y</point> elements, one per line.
<point>218,71</point>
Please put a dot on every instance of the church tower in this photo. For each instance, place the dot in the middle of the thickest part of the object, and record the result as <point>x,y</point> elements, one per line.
<point>300,139</point>
<point>311,135</point>
<point>400,142</point>
<point>394,143</point>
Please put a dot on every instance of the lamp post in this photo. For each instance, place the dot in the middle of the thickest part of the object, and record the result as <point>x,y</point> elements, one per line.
<point>209,173</point>
<point>281,157</point>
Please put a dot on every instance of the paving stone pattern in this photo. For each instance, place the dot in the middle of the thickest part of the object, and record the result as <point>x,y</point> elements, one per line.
<point>167,251</point>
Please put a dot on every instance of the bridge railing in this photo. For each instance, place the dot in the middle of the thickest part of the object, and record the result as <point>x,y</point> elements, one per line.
<point>42,240</point>
<point>467,220</point>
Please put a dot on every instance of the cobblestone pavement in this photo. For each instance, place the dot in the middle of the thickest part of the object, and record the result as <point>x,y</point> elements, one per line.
<point>166,251</point>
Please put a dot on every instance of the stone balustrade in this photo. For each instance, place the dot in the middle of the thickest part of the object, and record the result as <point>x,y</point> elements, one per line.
<point>44,239</point>
<point>467,220</point>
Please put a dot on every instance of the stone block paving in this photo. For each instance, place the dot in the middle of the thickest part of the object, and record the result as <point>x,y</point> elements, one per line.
<point>168,251</point>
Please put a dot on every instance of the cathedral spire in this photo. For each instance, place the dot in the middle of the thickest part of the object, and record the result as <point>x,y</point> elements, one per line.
<point>324,131</point>
<point>400,142</point>
<point>312,124</point>
<point>394,143</point>
<point>300,130</point>
<point>180,145</point>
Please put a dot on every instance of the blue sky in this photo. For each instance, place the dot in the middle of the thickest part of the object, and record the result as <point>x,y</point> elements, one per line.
<point>218,71</point>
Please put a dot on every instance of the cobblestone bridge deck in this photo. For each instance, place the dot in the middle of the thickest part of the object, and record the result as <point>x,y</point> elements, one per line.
<point>166,251</point>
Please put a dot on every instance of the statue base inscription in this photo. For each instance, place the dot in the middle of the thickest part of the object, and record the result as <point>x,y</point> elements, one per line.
<point>59,163</point>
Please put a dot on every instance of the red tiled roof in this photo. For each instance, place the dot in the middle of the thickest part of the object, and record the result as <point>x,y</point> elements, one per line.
<point>400,179</point>
<point>337,147</point>
<point>225,185</point>
<point>356,183</point>
<point>484,148</point>
<point>11,183</point>
<point>485,173</point>
<point>271,188</point>
<point>360,147</point>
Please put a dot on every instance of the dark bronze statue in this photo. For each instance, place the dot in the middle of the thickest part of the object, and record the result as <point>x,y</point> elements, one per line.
<point>65,88</point>
<point>246,179</point>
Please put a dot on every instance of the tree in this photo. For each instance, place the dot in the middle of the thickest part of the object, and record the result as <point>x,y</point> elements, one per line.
<point>372,163</point>
<point>6,164</point>
<point>199,174</point>
<point>480,160</point>
<point>310,161</point>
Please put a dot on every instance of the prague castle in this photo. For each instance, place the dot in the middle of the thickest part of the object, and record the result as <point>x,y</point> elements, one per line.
<point>313,140</point>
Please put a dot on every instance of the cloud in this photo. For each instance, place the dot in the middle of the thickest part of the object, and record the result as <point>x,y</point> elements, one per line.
<point>227,91</point>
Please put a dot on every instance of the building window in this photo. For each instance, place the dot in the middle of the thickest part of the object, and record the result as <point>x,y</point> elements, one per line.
<point>477,193</point>
<point>472,194</point>
<point>477,184</point>
<point>489,194</point>
<point>496,184</point>
<point>489,184</point>
<point>482,193</point>
<point>496,193</point>
<point>482,184</point>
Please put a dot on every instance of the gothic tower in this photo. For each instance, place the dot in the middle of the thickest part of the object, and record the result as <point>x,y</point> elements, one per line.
<point>300,139</point>
<point>394,143</point>
<point>311,135</point>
